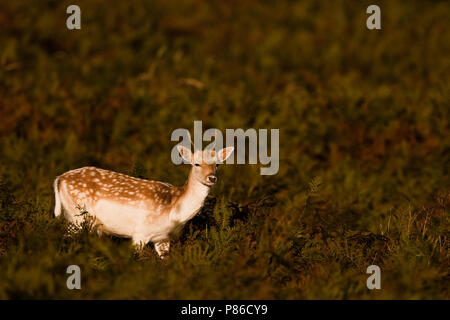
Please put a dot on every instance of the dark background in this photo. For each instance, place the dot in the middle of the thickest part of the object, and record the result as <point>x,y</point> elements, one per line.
<point>364,145</point>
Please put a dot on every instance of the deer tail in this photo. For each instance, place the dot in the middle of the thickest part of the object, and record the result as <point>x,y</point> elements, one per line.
<point>58,205</point>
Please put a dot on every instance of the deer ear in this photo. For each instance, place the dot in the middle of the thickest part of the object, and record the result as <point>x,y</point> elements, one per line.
<point>185,153</point>
<point>223,154</point>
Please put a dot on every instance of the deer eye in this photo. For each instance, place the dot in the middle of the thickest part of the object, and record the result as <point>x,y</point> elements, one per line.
<point>197,165</point>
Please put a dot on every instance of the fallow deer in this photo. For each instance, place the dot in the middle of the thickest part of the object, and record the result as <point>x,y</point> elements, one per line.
<point>143,210</point>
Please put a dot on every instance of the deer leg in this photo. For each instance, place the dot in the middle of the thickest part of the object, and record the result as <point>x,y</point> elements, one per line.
<point>139,243</point>
<point>162,248</point>
<point>72,229</point>
<point>99,229</point>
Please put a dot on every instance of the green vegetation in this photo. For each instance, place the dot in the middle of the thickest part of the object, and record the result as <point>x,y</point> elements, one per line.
<point>364,145</point>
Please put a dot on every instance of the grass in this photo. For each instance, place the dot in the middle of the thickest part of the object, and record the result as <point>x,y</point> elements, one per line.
<point>364,145</point>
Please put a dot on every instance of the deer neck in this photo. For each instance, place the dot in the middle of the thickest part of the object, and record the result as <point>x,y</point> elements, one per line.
<point>190,201</point>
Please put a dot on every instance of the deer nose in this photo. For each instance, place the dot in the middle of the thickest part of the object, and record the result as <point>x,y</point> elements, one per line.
<point>212,179</point>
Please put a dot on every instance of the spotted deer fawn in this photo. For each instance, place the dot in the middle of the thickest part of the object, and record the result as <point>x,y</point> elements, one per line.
<point>143,210</point>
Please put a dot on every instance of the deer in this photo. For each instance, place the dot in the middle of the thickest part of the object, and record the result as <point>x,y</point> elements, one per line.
<point>146,211</point>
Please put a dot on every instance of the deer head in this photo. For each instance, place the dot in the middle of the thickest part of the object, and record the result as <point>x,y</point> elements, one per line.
<point>204,163</point>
